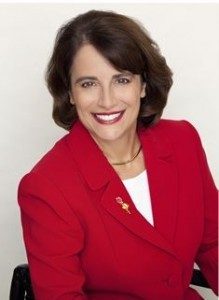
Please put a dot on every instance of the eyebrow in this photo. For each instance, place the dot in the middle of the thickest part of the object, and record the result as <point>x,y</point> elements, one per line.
<point>95,78</point>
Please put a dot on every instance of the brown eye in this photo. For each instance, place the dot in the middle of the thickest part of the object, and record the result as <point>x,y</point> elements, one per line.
<point>123,80</point>
<point>87,84</point>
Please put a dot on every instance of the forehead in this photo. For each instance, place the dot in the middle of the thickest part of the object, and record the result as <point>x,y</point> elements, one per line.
<point>89,60</point>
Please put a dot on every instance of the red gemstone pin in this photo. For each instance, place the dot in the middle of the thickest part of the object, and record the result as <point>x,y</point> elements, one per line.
<point>123,204</point>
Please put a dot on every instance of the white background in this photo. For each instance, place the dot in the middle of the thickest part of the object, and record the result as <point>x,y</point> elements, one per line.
<point>188,38</point>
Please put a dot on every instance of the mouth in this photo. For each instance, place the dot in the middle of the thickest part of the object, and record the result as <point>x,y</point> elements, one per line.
<point>108,118</point>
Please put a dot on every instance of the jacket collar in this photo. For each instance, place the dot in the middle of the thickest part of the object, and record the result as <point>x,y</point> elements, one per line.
<point>162,177</point>
<point>93,164</point>
<point>89,158</point>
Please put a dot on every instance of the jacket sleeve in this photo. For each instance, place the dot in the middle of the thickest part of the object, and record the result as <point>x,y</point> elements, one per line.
<point>53,240</point>
<point>207,256</point>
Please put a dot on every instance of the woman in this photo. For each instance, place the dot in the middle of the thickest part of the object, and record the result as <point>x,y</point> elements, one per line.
<point>124,204</point>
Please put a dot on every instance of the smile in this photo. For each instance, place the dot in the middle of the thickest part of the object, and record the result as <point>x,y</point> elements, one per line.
<point>108,118</point>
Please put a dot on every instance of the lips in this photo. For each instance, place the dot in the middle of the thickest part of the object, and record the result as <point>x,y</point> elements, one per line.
<point>108,118</point>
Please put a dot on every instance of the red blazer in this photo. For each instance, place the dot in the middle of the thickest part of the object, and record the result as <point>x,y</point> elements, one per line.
<point>81,244</point>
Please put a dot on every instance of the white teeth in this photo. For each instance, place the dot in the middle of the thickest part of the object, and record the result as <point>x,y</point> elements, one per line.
<point>108,117</point>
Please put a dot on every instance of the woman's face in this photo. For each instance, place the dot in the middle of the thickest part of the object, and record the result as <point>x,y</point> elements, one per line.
<point>107,101</point>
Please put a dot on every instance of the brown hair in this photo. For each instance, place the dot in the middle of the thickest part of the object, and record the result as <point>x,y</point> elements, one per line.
<point>126,44</point>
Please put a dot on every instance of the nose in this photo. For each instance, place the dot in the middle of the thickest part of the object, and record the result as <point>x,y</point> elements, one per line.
<point>107,98</point>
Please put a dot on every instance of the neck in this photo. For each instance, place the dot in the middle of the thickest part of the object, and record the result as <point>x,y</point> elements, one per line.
<point>121,149</point>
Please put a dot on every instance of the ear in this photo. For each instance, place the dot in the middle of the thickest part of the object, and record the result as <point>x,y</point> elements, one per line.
<point>71,99</point>
<point>143,92</point>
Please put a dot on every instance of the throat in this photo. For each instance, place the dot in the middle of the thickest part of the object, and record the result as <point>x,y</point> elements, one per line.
<point>132,169</point>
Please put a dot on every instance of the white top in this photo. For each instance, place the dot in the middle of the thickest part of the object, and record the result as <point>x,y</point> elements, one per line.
<point>138,190</point>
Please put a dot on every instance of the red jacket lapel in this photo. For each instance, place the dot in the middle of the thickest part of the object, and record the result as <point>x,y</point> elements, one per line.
<point>162,176</point>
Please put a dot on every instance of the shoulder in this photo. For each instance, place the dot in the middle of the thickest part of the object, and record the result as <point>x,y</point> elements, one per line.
<point>170,125</point>
<point>177,130</point>
<point>180,135</point>
<point>53,166</point>
<point>56,157</point>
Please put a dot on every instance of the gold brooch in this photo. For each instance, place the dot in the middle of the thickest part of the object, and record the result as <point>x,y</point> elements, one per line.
<point>124,205</point>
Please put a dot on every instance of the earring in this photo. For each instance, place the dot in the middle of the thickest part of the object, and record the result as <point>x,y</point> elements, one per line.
<point>72,101</point>
<point>70,98</point>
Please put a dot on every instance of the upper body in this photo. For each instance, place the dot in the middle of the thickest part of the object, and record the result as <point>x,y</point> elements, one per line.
<point>82,245</point>
<point>84,234</point>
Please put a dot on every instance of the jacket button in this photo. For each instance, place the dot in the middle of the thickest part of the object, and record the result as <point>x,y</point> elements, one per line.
<point>172,281</point>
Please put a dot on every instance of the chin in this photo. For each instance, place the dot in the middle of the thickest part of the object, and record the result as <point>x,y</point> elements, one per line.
<point>106,136</point>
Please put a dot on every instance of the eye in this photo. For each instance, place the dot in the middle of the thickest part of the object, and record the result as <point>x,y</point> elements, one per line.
<point>88,84</point>
<point>123,80</point>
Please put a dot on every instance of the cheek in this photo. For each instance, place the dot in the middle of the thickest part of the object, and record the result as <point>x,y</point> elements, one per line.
<point>82,101</point>
<point>86,97</point>
<point>131,97</point>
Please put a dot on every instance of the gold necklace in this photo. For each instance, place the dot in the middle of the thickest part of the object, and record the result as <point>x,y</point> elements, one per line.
<point>127,161</point>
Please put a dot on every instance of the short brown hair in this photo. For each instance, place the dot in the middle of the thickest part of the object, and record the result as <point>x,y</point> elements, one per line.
<point>121,40</point>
